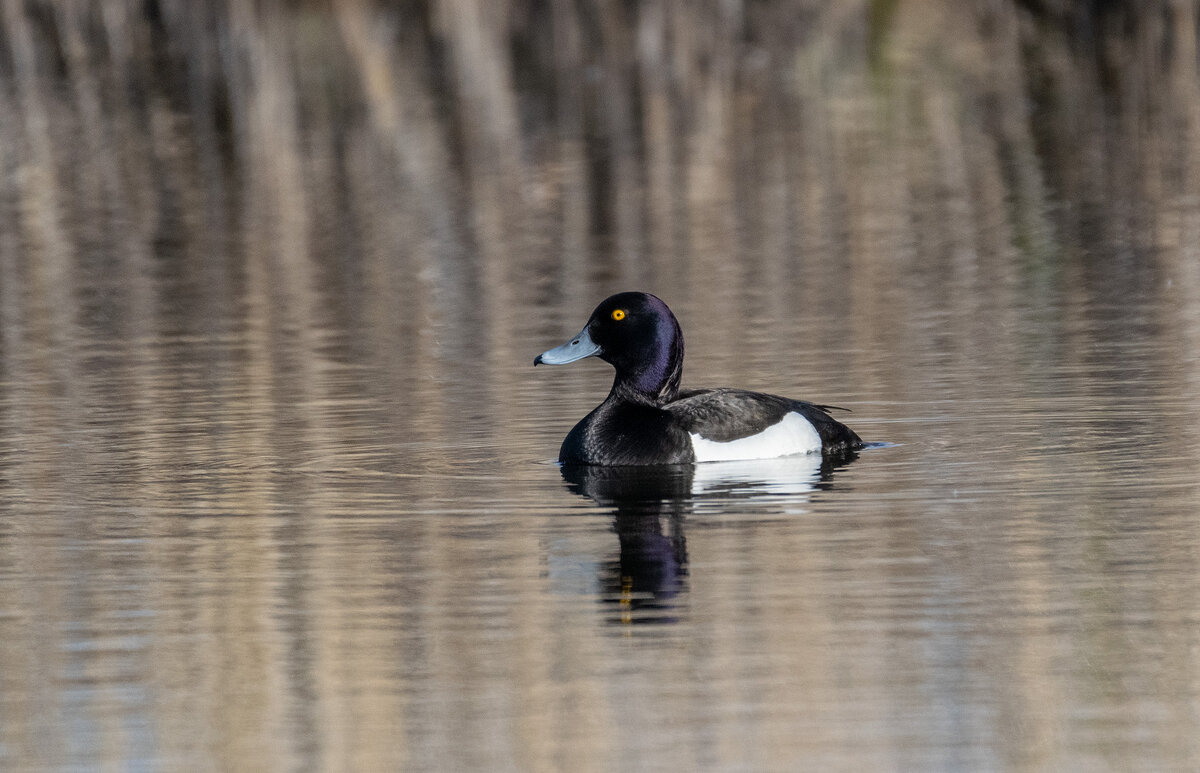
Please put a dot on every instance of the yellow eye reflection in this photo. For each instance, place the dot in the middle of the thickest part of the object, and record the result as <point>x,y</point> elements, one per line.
<point>618,314</point>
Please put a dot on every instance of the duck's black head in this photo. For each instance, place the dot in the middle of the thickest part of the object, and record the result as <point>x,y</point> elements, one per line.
<point>639,336</point>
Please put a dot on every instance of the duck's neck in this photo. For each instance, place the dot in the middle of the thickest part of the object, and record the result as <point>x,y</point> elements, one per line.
<point>654,377</point>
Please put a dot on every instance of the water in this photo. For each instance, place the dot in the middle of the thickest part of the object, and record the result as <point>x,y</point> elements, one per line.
<point>277,487</point>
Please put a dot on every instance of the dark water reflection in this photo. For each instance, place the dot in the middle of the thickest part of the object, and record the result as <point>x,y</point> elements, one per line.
<point>649,510</point>
<point>651,507</point>
<point>275,489</point>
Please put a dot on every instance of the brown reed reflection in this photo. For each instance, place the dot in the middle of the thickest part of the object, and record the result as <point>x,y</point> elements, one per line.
<point>475,158</point>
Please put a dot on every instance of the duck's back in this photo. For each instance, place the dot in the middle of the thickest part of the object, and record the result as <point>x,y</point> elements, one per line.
<point>729,416</point>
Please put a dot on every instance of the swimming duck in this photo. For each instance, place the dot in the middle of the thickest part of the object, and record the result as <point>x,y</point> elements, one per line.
<point>648,419</point>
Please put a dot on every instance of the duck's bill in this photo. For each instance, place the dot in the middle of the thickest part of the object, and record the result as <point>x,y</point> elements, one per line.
<point>577,348</point>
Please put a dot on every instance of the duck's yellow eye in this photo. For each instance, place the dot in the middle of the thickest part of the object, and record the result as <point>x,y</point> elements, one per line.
<point>618,314</point>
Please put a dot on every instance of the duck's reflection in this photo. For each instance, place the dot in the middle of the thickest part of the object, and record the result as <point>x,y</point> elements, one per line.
<point>649,505</point>
<point>650,508</point>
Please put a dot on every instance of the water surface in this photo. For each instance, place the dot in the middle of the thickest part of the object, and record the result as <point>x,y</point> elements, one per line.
<point>277,487</point>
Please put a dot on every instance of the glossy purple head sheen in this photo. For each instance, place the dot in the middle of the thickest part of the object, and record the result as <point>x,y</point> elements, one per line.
<point>663,376</point>
<point>646,346</point>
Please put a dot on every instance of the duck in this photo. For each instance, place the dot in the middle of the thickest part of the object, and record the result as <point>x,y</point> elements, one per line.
<point>647,419</point>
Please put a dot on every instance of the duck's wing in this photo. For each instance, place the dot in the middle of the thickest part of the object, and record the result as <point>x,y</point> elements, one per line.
<point>723,415</point>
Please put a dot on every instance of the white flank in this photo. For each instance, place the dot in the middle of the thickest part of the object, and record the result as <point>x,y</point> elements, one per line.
<point>793,435</point>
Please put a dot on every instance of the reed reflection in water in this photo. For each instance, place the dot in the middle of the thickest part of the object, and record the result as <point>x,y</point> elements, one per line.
<point>274,478</point>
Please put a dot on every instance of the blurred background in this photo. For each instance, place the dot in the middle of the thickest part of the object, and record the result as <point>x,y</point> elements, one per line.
<point>276,479</point>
